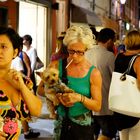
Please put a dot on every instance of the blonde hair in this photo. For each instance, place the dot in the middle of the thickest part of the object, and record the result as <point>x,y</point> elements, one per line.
<point>79,33</point>
<point>132,40</point>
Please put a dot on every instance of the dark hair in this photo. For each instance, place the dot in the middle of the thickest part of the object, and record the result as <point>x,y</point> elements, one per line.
<point>28,38</point>
<point>106,34</point>
<point>94,32</point>
<point>12,35</point>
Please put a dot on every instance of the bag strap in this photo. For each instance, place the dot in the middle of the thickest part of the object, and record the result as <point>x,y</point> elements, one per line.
<point>131,63</point>
<point>64,72</point>
<point>65,80</point>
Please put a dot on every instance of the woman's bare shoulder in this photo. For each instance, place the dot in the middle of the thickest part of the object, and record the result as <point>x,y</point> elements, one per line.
<point>137,64</point>
<point>95,76</point>
<point>95,72</point>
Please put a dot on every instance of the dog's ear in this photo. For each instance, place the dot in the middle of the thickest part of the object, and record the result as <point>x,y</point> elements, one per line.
<point>39,73</point>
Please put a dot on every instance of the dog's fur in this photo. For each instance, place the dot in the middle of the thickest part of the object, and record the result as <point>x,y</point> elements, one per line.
<point>52,86</point>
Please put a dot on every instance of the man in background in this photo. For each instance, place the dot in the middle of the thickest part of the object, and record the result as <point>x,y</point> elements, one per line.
<point>101,56</point>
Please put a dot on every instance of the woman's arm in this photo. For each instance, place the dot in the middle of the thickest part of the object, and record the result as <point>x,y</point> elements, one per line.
<point>40,89</point>
<point>33,57</point>
<point>137,70</point>
<point>96,91</point>
<point>27,64</point>
<point>33,103</point>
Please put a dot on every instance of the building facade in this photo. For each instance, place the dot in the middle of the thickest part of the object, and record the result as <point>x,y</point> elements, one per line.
<point>45,20</point>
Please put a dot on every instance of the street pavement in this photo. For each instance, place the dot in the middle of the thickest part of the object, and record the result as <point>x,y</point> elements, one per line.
<point>42,124</point>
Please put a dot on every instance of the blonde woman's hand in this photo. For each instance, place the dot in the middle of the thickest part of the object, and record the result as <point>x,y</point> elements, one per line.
<point>15,79</point>
<point>68,99</point>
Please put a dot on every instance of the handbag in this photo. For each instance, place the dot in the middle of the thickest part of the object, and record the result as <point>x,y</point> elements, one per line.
<point>124,95</point>
<point>39,64</point>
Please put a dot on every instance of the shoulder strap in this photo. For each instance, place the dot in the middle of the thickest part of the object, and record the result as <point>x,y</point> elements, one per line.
<point>21,56</point>
<point>64,72</point>
<point>91,68</point>
<point>131,63</point>
<point>65,80</point>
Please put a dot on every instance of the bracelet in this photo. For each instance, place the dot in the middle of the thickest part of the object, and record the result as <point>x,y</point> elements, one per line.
<point>82,99</point>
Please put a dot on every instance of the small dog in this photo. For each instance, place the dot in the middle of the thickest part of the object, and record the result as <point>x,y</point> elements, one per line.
<point>52,86</point>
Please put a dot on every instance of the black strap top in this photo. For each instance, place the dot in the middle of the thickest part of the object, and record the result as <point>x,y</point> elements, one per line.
<point>121,64</point>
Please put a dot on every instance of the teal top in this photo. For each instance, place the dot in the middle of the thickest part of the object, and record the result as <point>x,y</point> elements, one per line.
<point>79,85</point>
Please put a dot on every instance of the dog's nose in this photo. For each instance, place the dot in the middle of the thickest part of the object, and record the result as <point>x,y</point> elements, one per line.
<point>52,81</point>
<point>47,78</point>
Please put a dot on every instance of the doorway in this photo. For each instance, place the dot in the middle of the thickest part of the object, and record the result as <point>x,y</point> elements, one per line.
<point>32,21</point>
<point>3,16</point>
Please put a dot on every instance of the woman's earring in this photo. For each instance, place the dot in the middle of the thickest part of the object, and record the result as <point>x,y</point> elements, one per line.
<point>13,57</point>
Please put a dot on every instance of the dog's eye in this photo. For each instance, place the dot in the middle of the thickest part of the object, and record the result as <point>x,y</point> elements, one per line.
<point>54,74</point>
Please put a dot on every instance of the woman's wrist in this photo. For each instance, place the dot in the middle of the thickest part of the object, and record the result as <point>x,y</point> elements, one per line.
<point>22,87</point>
<point>82,100</point>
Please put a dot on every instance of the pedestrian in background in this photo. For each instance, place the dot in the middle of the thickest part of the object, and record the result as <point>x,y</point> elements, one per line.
<point>130,125</point>
<point>17,64</point>
<point>61,49</point>
<point>103,58</point>
<point>26,62</point>
<point>32,54</point>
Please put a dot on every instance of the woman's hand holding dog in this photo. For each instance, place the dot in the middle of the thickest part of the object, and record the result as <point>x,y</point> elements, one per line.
<point>3,135</point>
<point>68,99</point>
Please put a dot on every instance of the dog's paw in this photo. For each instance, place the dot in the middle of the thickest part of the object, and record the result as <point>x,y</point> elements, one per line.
<point>56,102</point>
<point>68,90</point>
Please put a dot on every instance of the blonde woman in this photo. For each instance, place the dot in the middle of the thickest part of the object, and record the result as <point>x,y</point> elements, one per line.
<point>129,126</point>
<point>85,80</point>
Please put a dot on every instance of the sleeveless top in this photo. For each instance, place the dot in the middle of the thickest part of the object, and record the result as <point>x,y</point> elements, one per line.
<point>121,66</point>
<point>10,116</point>
<point>124,121</point>
<point>79,85</point>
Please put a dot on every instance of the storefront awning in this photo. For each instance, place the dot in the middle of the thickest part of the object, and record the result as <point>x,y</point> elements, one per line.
<point>82,15</point>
